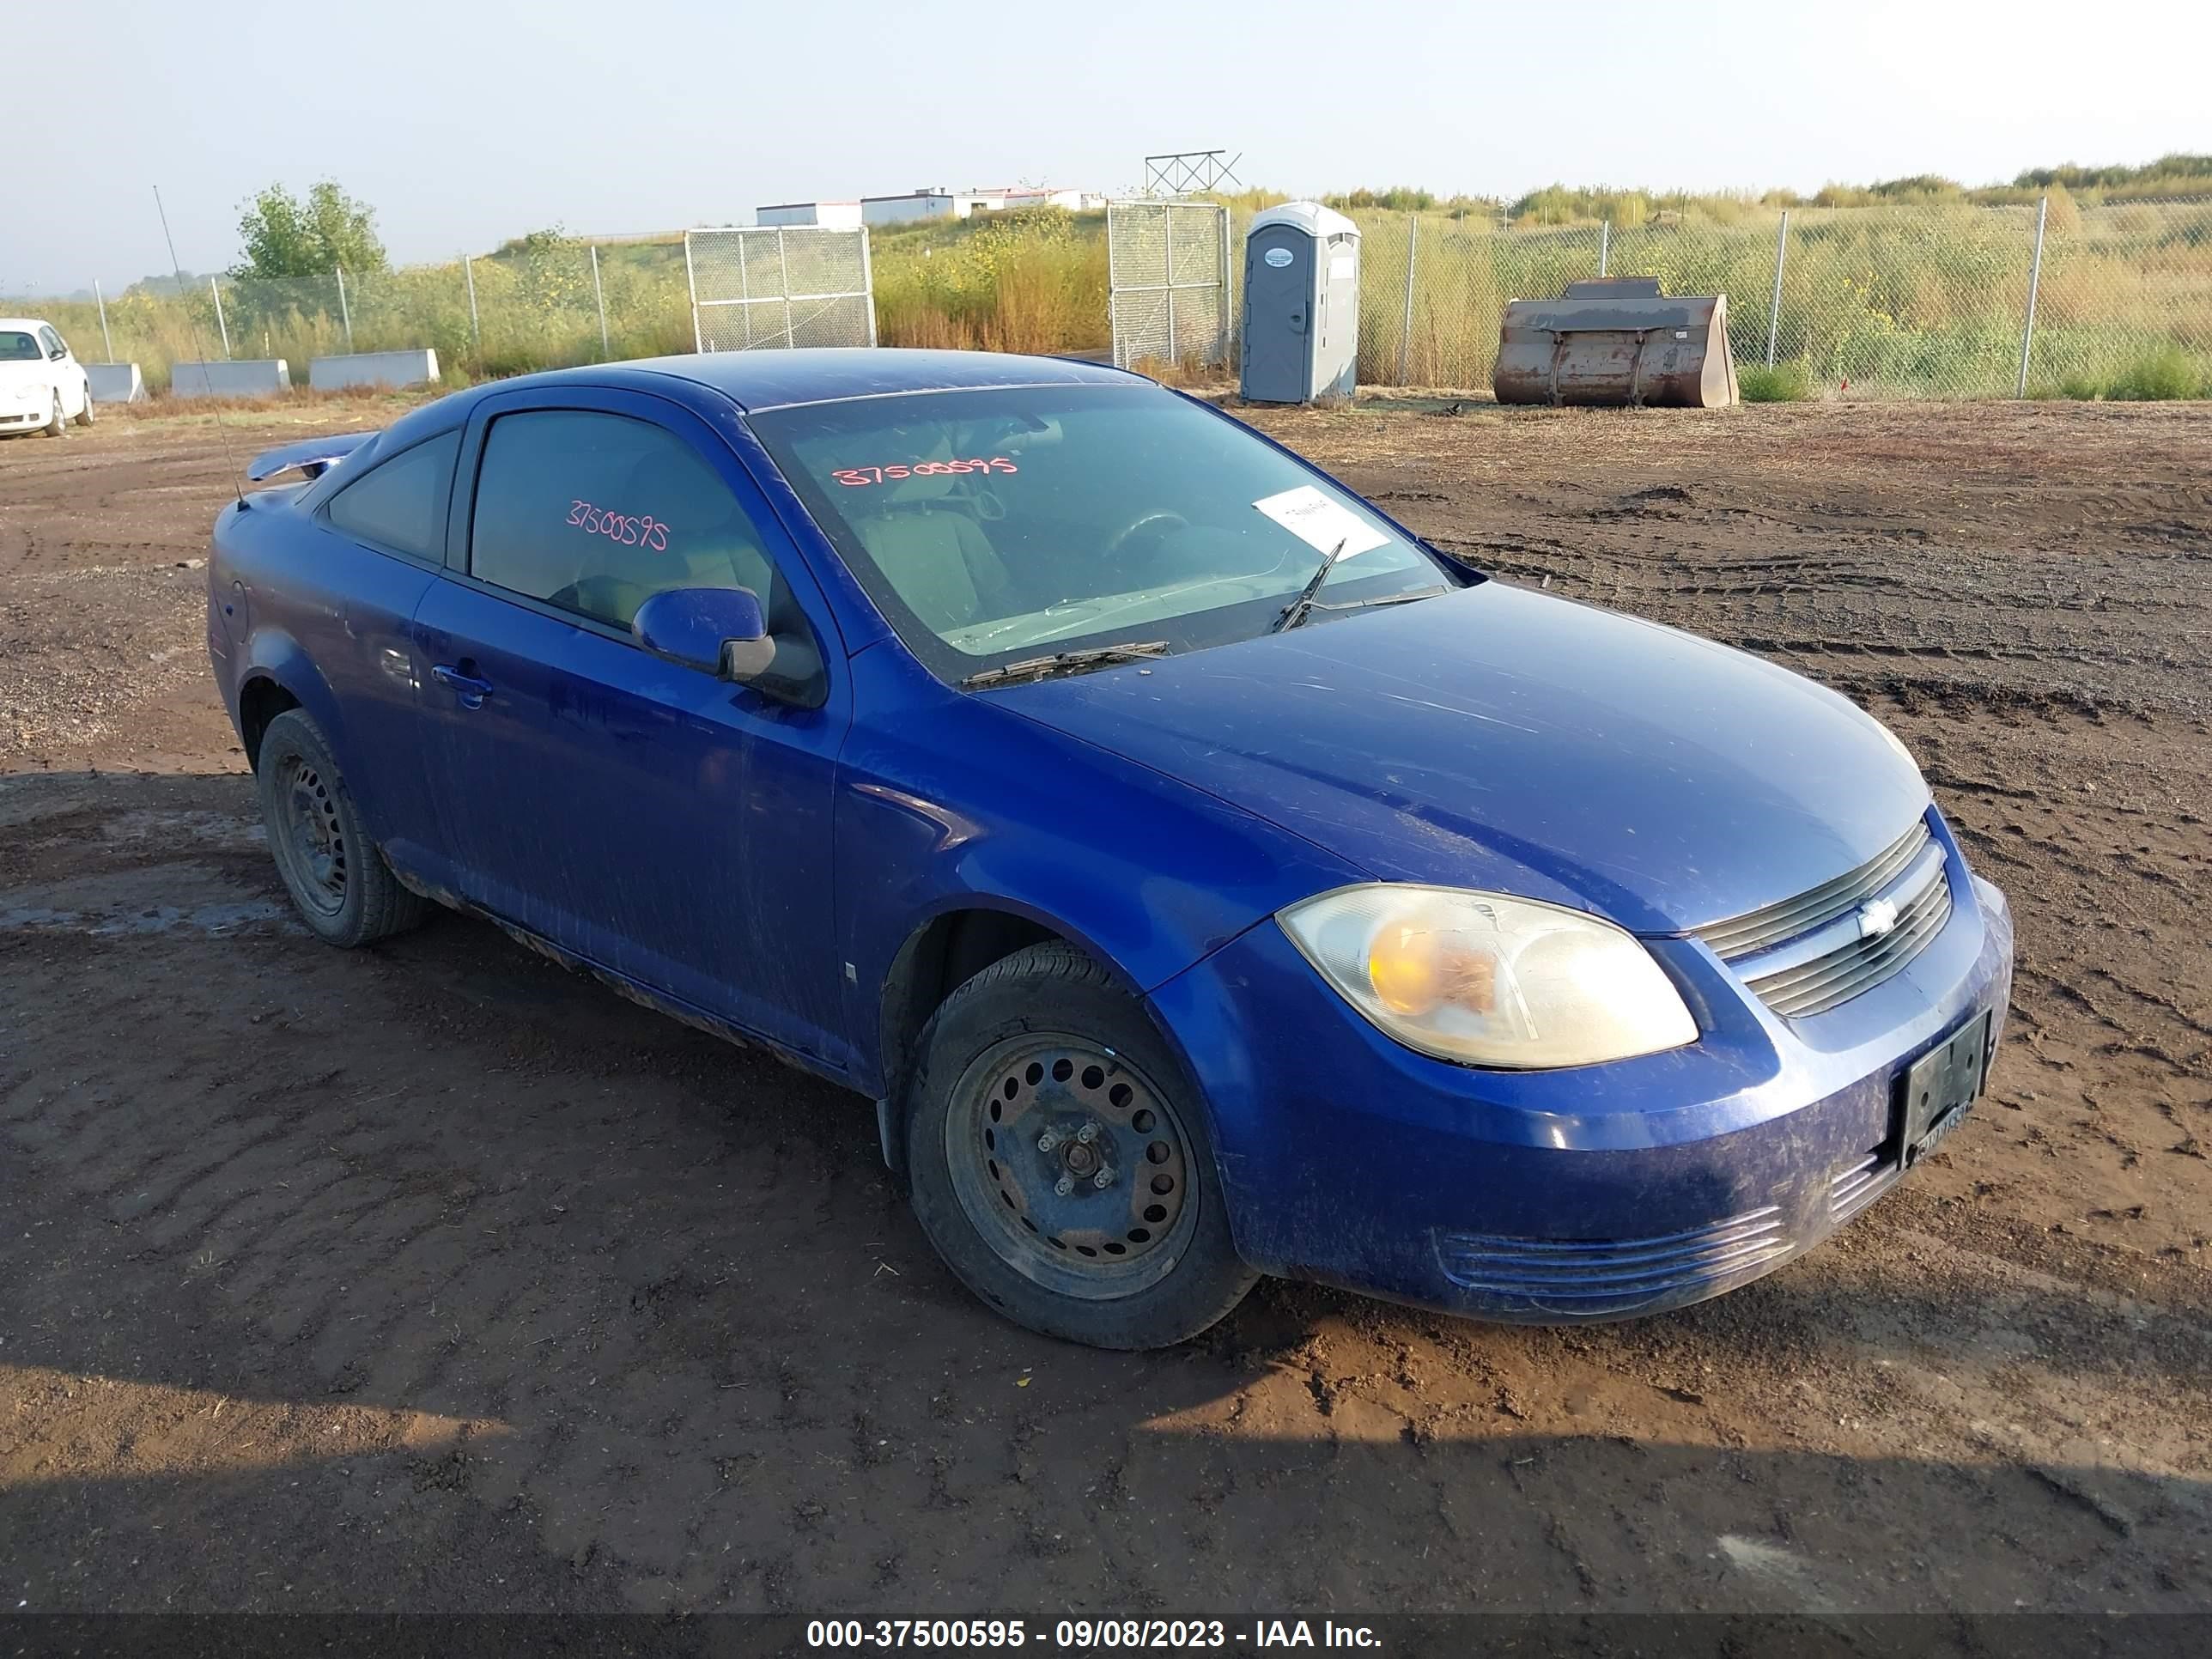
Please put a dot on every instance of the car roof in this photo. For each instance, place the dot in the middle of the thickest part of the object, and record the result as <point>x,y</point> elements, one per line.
<point>813,374</point>
<point>26,324</point>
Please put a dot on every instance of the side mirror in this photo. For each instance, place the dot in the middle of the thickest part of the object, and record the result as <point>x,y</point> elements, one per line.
<point>718,630</point>
<point>58,353</point>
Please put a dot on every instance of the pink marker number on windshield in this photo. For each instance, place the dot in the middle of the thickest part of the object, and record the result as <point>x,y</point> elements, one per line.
<point>854,477</point>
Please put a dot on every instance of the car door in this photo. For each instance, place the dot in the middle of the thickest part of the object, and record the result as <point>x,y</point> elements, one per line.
<point>381,543</point>
<point>654,818</point>
<point>63,373</point>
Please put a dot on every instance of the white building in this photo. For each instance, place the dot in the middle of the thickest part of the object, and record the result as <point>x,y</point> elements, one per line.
<point>1025,196</point>
<point>927,203</point>
<point>924,203</point>
<point>829,215</point>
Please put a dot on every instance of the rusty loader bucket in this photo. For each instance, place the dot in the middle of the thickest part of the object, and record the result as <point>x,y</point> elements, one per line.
<point>1616,342</point>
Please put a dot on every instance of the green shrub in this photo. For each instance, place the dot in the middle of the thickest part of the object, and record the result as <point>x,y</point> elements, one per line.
<point>2159,376</point>
<point>1784,383</point>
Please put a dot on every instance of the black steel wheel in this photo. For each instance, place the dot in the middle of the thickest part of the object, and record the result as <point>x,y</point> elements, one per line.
<point>1074,1163</point>
<point>1060,1158</point>
<point>338,879</point>
<point>308,837</point>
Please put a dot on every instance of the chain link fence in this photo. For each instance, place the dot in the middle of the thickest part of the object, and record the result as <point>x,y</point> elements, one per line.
<point>779,285</point>
<point>1168,282</point>
<point>544,302</point>
<point>1890,301</point>
<point>1903,301</point>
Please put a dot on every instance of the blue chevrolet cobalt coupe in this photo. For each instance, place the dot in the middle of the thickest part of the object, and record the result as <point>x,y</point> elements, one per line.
<point>1204,877</point>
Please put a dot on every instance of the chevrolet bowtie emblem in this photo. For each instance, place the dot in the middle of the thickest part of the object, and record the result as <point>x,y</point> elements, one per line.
<point>1877,917</point>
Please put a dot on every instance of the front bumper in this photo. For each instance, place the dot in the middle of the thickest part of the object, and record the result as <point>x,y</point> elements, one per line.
<point>1596,1193</point>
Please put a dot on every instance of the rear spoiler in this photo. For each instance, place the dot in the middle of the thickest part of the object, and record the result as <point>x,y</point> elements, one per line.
<point>312,456</point>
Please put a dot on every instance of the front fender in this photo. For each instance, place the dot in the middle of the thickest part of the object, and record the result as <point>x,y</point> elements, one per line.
<point>947,802</point>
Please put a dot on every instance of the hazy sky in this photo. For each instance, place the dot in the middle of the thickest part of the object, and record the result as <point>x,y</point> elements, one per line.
<point>464,122</point>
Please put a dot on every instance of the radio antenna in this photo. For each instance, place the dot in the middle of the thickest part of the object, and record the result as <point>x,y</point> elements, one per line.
<point>199,344</point>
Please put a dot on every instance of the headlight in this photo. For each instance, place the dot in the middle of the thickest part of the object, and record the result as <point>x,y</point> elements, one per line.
<point>1488,980</point>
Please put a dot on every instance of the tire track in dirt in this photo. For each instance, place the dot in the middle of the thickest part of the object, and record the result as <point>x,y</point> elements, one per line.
<point>547,1302</point>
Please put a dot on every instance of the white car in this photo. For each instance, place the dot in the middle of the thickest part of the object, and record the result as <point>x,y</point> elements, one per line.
<point>42,384</point>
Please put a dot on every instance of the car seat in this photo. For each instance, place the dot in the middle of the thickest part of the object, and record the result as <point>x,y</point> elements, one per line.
<point>711,544</point>
<point>931,551</point>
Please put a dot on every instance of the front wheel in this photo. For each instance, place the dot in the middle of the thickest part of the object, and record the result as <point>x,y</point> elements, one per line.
<point>59,424</point>
<point>84,415</point>
<point>1061,1161</point>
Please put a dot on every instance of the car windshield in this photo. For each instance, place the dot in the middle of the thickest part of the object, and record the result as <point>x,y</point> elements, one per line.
<point>17,347</point>
<point>994,527</point>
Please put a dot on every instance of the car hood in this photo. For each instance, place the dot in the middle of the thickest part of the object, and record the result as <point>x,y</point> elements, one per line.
<point>1504,738</point>
<point>30,373</point>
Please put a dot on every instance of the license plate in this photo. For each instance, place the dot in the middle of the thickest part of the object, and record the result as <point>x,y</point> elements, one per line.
<point>1939,1087</point>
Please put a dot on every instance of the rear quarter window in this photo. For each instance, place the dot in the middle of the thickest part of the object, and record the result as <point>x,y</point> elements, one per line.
<point>400,504</point>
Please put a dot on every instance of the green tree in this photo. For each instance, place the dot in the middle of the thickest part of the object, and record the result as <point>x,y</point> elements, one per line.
<point>284,236</point>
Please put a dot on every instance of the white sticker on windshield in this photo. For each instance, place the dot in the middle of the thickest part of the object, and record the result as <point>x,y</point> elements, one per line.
<point>1322,523</point>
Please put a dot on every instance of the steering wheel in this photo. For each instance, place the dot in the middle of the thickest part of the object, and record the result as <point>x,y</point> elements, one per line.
<point>1154,522</point>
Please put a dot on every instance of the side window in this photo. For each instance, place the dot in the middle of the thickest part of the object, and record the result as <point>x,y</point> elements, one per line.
<point>598,513</point>
<point>53,340</point>
<point>401,503</point>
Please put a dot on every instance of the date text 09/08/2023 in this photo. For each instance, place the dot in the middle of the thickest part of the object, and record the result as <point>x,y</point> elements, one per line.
<point>1088,1635</point>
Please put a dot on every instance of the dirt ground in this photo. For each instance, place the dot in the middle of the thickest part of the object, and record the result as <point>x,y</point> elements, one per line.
<point>433,1278</point>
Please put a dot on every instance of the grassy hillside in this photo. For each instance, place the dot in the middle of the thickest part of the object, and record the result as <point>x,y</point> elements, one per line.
<point>1913,284</point>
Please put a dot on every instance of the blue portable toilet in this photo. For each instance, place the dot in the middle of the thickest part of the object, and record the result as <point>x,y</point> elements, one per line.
<point>1301,305</point>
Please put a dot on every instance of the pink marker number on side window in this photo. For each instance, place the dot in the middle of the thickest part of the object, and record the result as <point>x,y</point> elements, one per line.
<point>640,530</point>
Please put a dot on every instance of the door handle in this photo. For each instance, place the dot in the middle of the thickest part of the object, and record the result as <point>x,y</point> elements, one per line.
<point>470,689</point>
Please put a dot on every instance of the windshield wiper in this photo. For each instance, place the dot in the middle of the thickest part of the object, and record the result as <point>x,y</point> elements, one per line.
<point>1069,662</point>
<point>1386,598</point>
<point>1295,611</point>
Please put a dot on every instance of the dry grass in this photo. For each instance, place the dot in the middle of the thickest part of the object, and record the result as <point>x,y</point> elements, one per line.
<point>1920,298</point>
<point>1031,281</point>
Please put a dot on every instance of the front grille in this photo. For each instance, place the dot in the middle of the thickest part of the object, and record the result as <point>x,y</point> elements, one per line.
<point>1822,973</point>
<point>1756,930</point>
<point>1596,1277</point>
<point>1817,985</point>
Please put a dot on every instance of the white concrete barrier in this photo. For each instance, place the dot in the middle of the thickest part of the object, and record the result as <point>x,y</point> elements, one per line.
<point>115,383</point>
<point>250,377</point>
<point>388,368</point>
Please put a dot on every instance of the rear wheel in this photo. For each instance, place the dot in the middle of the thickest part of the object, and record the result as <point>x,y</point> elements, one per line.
<point>338,881</point>
<point>1060,1162</point>
<point>84,415</point>
<point>57,426</point>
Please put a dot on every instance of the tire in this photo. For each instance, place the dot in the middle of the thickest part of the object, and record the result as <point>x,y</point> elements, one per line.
<point>1015,1065</point>
<point>58,425</point>
<point>338,879</point>
<point>84,417</point>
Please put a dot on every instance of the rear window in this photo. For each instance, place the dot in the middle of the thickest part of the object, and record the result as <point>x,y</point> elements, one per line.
<point>400,504</point>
